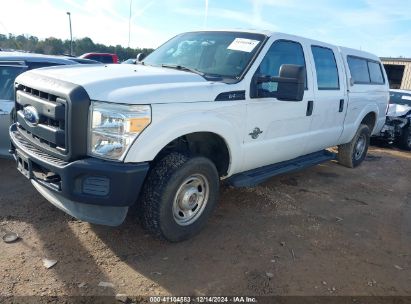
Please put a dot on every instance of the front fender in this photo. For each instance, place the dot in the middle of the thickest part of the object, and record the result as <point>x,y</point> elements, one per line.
<point>166,127</point>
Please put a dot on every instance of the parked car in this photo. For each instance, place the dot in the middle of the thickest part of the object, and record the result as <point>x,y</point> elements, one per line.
<point>239,106</point>
<point>397,128</point>
<point>11,65</point>
<point>101,57</point>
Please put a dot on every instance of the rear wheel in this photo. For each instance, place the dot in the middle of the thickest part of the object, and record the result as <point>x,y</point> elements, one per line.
<point>178,197</point>
<point>405,140</point>
<point>353,153</point>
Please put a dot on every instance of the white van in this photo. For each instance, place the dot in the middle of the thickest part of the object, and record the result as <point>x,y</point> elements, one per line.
<point>206,106</point>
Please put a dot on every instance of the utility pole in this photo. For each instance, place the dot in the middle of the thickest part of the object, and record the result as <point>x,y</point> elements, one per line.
<point>205,15</point>
<point>71,35</point>
<point>129,24</point>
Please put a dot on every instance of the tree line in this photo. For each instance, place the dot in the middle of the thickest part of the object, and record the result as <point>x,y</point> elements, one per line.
<point>55,46</point>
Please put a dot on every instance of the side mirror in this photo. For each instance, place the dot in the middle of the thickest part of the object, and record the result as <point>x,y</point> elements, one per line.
<point>140,57</point>
<point>290,82</point>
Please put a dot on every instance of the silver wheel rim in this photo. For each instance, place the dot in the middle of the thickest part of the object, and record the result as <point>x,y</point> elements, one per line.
<point>191,199</point>
<point>360,147</point>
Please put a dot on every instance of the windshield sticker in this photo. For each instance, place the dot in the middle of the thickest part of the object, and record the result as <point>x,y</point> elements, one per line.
<point>243,45</point>
<point>406,97</point>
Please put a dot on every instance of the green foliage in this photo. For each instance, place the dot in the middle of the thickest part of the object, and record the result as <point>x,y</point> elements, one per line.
<point>54,46</point>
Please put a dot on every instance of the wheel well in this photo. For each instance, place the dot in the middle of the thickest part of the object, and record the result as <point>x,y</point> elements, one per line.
<point>369,120</point>
<point>206,144</point>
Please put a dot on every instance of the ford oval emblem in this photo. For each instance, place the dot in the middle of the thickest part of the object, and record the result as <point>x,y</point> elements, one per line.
<point>31,116</point>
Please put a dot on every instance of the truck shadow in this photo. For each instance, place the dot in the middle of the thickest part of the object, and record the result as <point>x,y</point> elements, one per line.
<point>217,261</point>
<point>134,262</point>
<point>45,232</point>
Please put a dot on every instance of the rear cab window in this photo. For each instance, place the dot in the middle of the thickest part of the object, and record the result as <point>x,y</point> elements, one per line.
<point>365,71</point>
<point>375,72</point>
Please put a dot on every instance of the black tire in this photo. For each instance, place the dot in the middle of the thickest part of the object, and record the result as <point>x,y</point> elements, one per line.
<point>349,155</point>
<point>168,177</point>
<point>405,139</point>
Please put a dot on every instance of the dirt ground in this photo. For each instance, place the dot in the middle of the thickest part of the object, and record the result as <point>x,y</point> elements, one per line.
<point>327,230</point>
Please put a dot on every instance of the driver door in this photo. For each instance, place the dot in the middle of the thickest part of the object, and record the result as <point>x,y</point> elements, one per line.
<point>9,70</point>
<point>277,129</point>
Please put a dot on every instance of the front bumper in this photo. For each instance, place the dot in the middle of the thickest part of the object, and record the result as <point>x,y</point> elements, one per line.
<point>89,189</point>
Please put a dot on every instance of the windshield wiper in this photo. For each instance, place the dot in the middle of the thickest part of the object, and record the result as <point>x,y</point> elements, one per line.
<point>206,76</point>
<point>182,68</point>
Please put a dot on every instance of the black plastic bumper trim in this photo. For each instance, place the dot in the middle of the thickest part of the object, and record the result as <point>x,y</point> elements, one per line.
<point>125,179</point>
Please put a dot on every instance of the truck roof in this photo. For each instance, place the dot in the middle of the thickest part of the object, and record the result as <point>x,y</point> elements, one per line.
<point>343,50</point>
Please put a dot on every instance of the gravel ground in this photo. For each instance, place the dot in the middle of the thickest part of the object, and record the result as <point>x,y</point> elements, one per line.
<point>327,230</point>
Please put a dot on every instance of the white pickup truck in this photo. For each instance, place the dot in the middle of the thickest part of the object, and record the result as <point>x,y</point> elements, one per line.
<point>239,106</point>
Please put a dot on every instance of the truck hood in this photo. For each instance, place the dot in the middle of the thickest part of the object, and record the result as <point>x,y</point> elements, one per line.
<point>397,110</point>
<point>136,84</point>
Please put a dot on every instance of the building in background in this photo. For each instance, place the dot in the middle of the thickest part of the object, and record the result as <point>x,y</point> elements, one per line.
<point>398,72</point>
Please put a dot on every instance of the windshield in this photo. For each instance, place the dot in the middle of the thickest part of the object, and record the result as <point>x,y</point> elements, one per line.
<point>400,98</point>
<point>225,54</point>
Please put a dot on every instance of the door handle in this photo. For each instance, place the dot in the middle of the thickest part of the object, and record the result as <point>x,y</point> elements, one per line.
<point>341,105</point>
<point>310,107</point>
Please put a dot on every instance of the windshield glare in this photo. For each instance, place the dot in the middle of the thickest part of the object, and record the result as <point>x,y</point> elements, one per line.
<point>225,54</point>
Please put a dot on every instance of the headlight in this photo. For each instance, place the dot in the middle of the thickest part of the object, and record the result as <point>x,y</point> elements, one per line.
<point>114,127</point>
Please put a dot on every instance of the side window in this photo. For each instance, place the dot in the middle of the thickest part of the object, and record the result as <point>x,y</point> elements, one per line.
<point>7,76</point>
<point>94,57</point>
<point>106,59</point>
<point>365,71</point>
<point>375,72</point>
<point>359,69</point>
<point>281,52</point>
<point>326,67</point>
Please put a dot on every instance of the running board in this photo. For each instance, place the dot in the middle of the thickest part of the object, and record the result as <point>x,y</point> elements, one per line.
<point>256,176</point>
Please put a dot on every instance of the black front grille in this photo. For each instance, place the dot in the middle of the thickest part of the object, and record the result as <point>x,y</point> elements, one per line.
<point>50,131</point>
<point>60,129</point>
<point>42,95</point>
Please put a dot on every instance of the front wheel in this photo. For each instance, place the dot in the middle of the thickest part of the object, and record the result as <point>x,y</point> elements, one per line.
<point>353,153</point>
<point>178,197</point>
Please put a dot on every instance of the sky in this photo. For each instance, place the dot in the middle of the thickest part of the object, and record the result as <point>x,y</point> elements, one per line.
<point>381,27</point>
